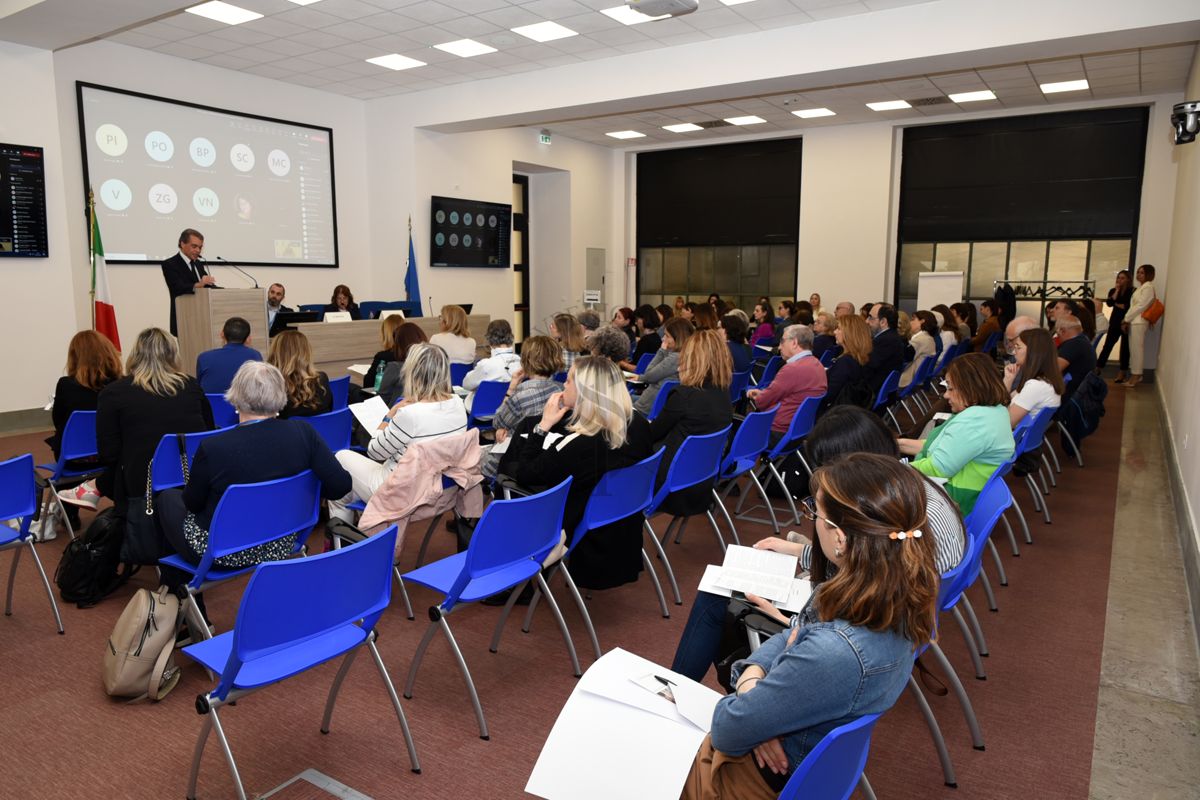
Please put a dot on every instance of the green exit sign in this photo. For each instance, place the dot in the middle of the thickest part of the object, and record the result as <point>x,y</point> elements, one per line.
<point>544,137</point>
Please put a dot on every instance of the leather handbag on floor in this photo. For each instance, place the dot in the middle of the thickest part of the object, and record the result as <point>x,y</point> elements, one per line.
<point>144,542</point>
<point>138,659</point>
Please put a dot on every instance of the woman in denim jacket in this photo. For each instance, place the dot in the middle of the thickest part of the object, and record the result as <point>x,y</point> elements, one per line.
<point>855,658</point>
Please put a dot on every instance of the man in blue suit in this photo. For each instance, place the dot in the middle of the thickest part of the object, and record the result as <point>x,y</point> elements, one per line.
<point>215,368</point>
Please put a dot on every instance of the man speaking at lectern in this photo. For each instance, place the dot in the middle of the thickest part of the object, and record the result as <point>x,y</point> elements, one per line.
<point>184,272</point>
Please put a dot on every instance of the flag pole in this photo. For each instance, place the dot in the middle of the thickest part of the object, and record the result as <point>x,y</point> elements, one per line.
<point>91,209</point>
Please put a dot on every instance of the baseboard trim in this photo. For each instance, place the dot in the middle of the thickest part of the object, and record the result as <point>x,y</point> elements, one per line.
<point>1185,524</point>
<point>25,420</point>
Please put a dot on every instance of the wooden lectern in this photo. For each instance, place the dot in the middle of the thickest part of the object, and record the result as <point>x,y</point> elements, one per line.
<point>202,315</point>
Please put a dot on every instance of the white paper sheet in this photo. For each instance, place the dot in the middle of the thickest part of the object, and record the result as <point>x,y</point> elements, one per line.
<point>359,369</point>
<point>798,595</point>
<point>370,413</point>
<point>765,573</point>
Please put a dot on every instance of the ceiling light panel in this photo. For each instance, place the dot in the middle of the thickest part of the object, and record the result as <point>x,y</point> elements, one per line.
<point>466,48</point>
<point>972,97</point>
<point>626,135</point>
<point>683,127</point>
<point>544,31</point>
<point>813,113</point>
<point>223,12</point>
<point>889,105</point>
<point>627,16</point>
<point>304,2</point>
<point>747,120</point>
<point>1064,86</point>
<point>395,61</point>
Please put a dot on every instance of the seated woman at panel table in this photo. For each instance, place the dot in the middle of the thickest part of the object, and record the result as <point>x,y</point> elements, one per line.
<point>428,410</point>
<point>841,432</point>
<point>665,364</point>
<point>855,658</point>
<point>977,438</point>
<point>308,392</point>
<point>261,448</point>
<point>391,386</point>
<point>343,300</point>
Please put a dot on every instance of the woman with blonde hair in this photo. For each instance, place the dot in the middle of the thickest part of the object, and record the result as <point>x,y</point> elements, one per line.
<point>308,392</point>
<point>455,336</point>
<point>846,377</point>
<point>569,333</point>
<point>387,339</point>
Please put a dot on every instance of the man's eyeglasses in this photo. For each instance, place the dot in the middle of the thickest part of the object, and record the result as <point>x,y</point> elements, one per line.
<point>808,508</point>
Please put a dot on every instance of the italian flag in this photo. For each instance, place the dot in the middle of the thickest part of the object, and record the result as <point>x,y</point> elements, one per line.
<point>103,314</point>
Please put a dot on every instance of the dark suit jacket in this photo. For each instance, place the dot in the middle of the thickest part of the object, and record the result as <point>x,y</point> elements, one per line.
<point>215,368</point>
<point>180,280</point>
<point>887,354</point>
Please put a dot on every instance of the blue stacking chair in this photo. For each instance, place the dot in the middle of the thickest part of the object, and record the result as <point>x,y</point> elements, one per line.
<point>644,362</point>
<point>223,413</point>
<point>560,377</point>
<point>334,427</point>
<point>18,501</point>
<point>340,388</point>
<point>798,429</point>
<point>296,615</point>
<point>752,440</point>
<point>763,356</point>
<point>166,469</point>
<point>827,358</point>
<point>510,543</point>
<point>773,366</point>
<point>883,399</point>
<point>78,442</point>
<point>317,308</point>
<point>738,385</point>
<point>989,344</point>
<point>1029,435</point>
<point>250,514</point>
<point>458,372</point>
<point>660,399</point>
<point>833,768</point>
<point>909,391</point>
<point>994,499</point>
<point>620,494</point>
<point>488,399</point>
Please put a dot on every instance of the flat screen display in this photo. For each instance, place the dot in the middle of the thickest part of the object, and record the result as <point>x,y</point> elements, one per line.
<point>469,233</point>
<point>260,190</point>
<point>22,202</point>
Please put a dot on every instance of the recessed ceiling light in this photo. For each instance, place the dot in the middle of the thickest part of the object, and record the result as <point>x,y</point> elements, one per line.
<point>750,120</point>
<point>395,61</point>
<point>465,48</point>
<point>736,2</point>
<point>223,12</point>
<point>812,113</point>
<point>625,135</point>
<point>683,127</point>
<point>889,105</point>
<point>1062,86</point>
<point>628,16</point>
<point>545,31</point>
<point>304,2</point>
<point>971,97</point>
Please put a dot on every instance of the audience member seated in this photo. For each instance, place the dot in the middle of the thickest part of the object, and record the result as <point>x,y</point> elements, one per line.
<point>645,318</point>
<point>585,431</point>
<point>887,348</point>
<point>665,364</point>
<point>343,300</point>
<point>215,368</point>
<point>1076,356</point>
<point>1014,329</point>
<point>965,318</point>
<point>1034,381</point>
<point>824,326</point>
<point>589,319</point>
<point>990,311</point>
<point>308,392</point>
<point>784,311</point>
<point>664,316</point>
<point>261,448</point>
<point>814,300</point>
<point>945,321</point>
<point>609,342</point>
<point>846,382</point>
<point>855,658</point>
<point>704,317</point>
<point>455,336</point>
<point>844,309</point>
<point>391,387</point>
<point>801,315</point>
<point>800,378</point>
<point>923,327</point>
<point>429,409</point>
<point>679,305</point>
<point>387,337</point>
<point>762,323</point>
<point>530,386</point>
<point>977,438</point>
<point>500,365</point>
<point>843,431</point>
<point>623,321</point>
<point>569,333</point>
<point>735,336</point>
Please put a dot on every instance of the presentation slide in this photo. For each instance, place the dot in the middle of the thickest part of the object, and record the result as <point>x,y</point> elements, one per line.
<point>22,202</point>
<point>260,190</point>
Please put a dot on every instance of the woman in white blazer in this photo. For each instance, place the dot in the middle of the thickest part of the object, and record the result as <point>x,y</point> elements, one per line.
<point>924,328</point>
<point>1135,326</point>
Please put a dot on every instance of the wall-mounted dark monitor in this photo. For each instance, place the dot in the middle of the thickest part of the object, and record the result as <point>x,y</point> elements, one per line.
<point>22,202</point>
<point>469,233</point>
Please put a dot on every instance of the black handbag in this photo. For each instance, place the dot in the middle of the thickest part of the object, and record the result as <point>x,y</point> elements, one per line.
<point>144,542</point>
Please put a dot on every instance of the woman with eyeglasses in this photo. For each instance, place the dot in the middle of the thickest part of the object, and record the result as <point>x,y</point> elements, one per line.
<point>855,658</point>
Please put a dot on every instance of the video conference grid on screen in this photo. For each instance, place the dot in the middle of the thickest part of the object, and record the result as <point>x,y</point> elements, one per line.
<point>260,190</point>
<point>22,202</point>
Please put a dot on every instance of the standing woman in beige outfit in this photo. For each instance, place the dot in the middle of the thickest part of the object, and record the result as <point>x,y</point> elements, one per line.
<point>1135,326</point>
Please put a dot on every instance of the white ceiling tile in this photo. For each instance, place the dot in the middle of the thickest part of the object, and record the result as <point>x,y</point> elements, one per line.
<point>1127,59</point>
<point>1101,72</point>
<point>764,9</point>
<point>274,26</point>
<point>329,58</point>
<point>431,12</point>
<point>835,11</point>
<point>211,43</point>
<point>193,23</point>
<point>348,9</point>
<point>1002,73</point>
<point>638,47</point>
<point>685,38</point>
<point>469,27</point>
<point>268,70</point>
<point>351,31</point>
<point>310,17</point>
<point>243,35</point>
<point>181,50</point>
<point>391,22</point>
<point>662,28</point>
<point>307,79</point>
<point>319,39</point>
<point>555,9</point>
<point>430,35</point>
<point>298,65</point>
<point>1151,55</point>
<point>619,36</point>
<point>161,30</point>
<point>511,17</point>
<point>337,74</point>
<point>589,22</point>
<point>268,7</point>
<point>227,60</point>
<point>713,17</point>
<point>912,88</point>
<point>255,55</point>
<point>955,80</point>
<point>136,38</point>
<point>559,60</point>
<point>736,29</point>
<point>285,47</point>
<point>784,21</point>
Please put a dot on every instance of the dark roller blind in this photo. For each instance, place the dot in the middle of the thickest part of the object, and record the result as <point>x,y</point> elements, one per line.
<point>1076,174</point>
<point>730,194</point>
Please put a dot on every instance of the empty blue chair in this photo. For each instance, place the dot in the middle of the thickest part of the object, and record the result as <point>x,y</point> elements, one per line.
<point>78,442</point>
<point>882,400</point>
<point>334,427</point>
<point>798,429</point>
<point>738,385</point>
<point>18,501</point>
<point>340,388</point>
<point>296,615</point>
<point>832,769</point>
<point>660,399</point>
<point>644,362</point>
<point>769,372</point>
<point>510,543</point>
<point>223,413</point>
<point>250,514</point>
<point>458,372</point>
<point>166,467</point>
<point>753,438</point>
<point>488,398</point>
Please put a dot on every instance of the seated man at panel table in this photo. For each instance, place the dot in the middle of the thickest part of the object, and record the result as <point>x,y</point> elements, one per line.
<point>215,368</point>
<point>1076,356</point>
<point>800,378</point>
<point>275,295</point>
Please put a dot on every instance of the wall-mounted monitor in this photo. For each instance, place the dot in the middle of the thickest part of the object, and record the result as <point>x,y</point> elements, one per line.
<point>22,202</point>
<point>469,233</point>
<point>260,189</point>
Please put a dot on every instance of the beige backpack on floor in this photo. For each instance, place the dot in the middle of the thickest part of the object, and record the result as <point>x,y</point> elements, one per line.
<point>138,656</point>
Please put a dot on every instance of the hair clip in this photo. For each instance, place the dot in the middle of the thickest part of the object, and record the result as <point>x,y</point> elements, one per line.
<point>913,534</point>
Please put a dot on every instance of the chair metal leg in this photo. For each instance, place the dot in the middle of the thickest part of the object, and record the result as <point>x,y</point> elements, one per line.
<point>1038,501</point>
<point>961,694</point>
<point>12,579</point>
<point>766,501</point>
<point>972,647</point>
<point>935,732</point>
<point>196,623</point>
<point>408,611</point>
<point>514,593</point>
<point>717,531</point>
<point>662,601</point>
<point>583,612</point>
<point>391,690</point>
<point>1012,540</point>
<point>438,622</point>
<point>742,500</point>
<point>233,770</point>
<point>1053,456</point>
<point>728,518</point>
<point>1042,477</point>
<point>1049,469</point>
<point>895,422</point>
<point>672,526</point>
<point>425,542</point>
<point>194,773</point>
<point>336,687</point>
<point>987,590</point>
<point>978,631</point>
<point>786,494</point>
<point>999,564</point>
<point>864,786</point>
<point>1074,445</point>
<point>1021,517</point>
<point>562,624</point>
<point>662,556</point>
<point>45,582</point>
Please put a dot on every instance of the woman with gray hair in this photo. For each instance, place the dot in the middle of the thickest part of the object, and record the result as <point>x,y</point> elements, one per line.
<point>429,410</point>
<point>261,448</point>
<point>499,366</point>
<point>610,342</point>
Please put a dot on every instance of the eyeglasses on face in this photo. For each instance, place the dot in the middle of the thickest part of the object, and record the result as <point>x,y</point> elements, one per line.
<point>808,508</point>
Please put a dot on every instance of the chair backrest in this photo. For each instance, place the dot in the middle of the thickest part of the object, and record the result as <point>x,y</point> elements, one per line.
<point>1034,432</point>
<point>340,388</point>
<point>251,514</point>
<point>290,602</point>
<point>620,493</point>
<point>955,580</point>
<point>488,398</point>
<point>369,309</point>
<point>458,372</point>
<point>334,427</point>
<point>660,399</point>
<point>752,439</point>
<point>990,343</point>
<point>800,426</point>
<point>697,460</point>
<point>79,436</point>
<point>223,413</point>
<point>827,357</point>
<point>644,362</point>
<point>890,384</point>
<point>317,307</point>
<point>18,490</point>
<point>738,385</point>
<point>560,377</point>
<point>763,356</point>
<point>831,770</point>
<point>768,375</point>
<point>166,472</point>
<point>993,500</point>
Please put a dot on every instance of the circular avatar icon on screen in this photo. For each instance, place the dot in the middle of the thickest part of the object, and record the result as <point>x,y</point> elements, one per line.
<point>453,217</point>
<point>479,220</point>
<point>440,216</point>
<point>242,158</point>
<point>279,163</point>
<point>492,221</point>
<point>202,151</point>
<point>163,198</point>
<point>466,240</point>
<point>111,140</point>
<point>159,146</point>
<point>454,240</point>
<point>467,218</point>
<point>205,201</point>
<point>115,194</point>
<point>440,239</point>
